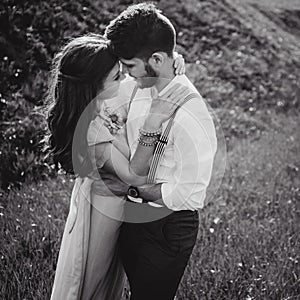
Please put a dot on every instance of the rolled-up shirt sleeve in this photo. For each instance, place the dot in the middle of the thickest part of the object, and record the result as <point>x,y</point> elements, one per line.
<point>195,144</point>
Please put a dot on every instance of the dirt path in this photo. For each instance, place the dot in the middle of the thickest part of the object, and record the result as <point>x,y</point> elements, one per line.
<point>270,17</point>
<point>287,4</point>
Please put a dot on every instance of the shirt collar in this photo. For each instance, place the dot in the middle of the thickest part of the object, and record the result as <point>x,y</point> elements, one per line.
<point>176,79</point>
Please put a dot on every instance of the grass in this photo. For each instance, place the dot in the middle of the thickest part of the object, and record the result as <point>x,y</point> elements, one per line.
<point>248,245</point>
<point>32,220</point>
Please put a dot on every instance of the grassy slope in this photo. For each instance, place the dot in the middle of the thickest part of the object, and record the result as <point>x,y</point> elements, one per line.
<point>248,246</point>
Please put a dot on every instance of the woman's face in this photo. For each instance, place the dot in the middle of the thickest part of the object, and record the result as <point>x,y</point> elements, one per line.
<point>112,82</point>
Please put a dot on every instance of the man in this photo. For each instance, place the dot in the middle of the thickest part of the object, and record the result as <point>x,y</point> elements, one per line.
<point>157,240</point>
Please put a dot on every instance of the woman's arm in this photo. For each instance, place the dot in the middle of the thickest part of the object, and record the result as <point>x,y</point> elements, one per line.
<point>117,162</point>
<point>120,142</point>
<point>135,171</point>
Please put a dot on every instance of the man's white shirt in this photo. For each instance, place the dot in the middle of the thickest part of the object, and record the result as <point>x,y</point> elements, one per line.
<point>186,166</point>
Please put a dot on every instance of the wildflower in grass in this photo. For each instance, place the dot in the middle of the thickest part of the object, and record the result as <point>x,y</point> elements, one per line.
<point>216,220</point>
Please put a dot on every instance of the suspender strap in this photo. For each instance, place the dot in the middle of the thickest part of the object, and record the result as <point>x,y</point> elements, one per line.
<point>161,145</point>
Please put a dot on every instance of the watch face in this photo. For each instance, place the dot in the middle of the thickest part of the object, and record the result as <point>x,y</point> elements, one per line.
<point>133,192</point>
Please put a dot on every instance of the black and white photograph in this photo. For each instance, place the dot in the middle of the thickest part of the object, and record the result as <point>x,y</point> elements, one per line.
<point>150,150</point>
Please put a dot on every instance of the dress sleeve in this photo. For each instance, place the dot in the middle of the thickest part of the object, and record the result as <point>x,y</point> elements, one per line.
<point>97,134</point>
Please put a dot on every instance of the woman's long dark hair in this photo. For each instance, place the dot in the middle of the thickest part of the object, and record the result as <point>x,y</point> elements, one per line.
<point>78,73</point>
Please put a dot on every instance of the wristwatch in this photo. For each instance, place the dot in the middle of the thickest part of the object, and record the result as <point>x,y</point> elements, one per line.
<point>133,192</point>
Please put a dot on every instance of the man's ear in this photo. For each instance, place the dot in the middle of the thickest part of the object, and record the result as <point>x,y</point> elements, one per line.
<point>156,60</point>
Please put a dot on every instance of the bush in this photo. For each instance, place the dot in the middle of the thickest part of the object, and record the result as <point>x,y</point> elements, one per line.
<point>31,32</point>
<point>21,147</point>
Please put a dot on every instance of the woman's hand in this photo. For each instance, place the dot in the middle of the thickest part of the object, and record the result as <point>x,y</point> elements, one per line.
<point>179,64</point>
<point>165,105</point>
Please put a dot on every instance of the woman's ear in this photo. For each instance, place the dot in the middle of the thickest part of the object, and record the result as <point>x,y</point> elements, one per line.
<point>156,60</point>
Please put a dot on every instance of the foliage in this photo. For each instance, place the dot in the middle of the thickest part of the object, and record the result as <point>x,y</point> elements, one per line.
<point>31,32</point>
<point>21,146</point>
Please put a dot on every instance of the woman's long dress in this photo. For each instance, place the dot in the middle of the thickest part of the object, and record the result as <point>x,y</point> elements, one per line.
<point>88,265</point>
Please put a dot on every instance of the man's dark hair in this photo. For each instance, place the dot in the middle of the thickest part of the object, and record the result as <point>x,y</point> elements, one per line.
<point>139,31</point>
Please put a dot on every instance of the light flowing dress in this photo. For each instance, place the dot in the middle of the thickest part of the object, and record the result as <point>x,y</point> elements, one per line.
<point>88,265</point>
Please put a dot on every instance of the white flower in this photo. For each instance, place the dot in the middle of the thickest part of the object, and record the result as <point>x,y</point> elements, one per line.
<point>114,121</point>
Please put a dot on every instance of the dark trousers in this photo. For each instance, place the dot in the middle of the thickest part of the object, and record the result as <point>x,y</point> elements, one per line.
<point>155,254</point>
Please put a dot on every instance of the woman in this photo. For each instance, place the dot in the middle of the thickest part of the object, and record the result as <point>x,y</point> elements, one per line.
<point>86,73</point>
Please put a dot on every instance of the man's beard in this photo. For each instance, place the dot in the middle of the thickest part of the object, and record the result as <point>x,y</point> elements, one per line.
<point>149,79</point>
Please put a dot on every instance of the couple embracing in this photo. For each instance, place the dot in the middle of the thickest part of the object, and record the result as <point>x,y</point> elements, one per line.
<point>142,149</point>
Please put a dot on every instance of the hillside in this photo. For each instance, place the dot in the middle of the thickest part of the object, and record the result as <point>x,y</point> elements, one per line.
<point>244,59</point>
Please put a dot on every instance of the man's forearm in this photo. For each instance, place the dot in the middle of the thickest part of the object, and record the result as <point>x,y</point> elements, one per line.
<point>152,193</point>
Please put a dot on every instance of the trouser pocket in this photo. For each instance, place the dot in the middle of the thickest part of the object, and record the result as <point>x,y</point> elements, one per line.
<point>180,231</point>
